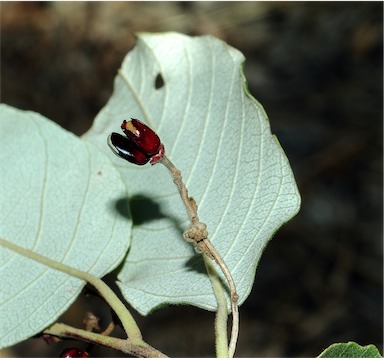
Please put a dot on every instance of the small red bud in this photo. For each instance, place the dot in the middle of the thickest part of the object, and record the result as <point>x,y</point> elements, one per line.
<point>73,352</point>
<point>140,145</point>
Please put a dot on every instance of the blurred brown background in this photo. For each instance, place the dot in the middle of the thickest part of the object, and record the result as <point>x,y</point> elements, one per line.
<point>317,69</point>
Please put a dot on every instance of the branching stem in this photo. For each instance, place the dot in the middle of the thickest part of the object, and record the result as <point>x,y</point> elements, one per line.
<point>138,349</point>
<point>133,345</point>
<point>197,234</point>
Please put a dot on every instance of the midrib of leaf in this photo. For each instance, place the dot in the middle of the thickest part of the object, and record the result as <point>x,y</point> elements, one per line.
<point>137,98</point>
<point>44,186</point>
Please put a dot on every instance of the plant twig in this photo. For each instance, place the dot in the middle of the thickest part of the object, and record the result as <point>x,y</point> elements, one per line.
<point>197,234</point>
<point>234,297</point>
<point>109,329</point>
<point>141,349</point>
<point>128,322</point>
<point>222,310</point>
<point>133,345</point>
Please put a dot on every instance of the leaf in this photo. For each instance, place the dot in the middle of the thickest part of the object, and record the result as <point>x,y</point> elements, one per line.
<point>192,92</point>
<point>351,350</point>
<point>58,198</point>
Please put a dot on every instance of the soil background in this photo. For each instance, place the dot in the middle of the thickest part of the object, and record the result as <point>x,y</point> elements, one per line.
<point>317,68</point>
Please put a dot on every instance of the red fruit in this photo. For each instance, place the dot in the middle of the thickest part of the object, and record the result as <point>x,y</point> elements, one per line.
<point>143,136</point>
<point>73,352</point>
<point>140,145</point>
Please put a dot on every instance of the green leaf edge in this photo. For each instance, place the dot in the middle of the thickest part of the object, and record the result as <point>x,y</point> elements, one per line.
<point>350,349</point>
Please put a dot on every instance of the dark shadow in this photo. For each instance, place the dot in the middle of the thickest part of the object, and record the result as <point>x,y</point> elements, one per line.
<point>196,263</point>
<point>142,209</point>
<point>122,207</point>
<point>139,208</point>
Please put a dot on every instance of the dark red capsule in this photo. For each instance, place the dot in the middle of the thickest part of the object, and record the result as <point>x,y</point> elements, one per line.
<point>140,145</point>
<point>144,137</point>
<point>73,352</point>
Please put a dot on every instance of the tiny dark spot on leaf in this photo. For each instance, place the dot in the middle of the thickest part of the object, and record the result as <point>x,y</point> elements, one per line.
<point>159,81</point>
<point>99,173</point>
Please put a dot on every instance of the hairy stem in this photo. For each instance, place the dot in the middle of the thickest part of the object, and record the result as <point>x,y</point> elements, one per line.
<point>222,311</point>
<point>189,202</point>
<point>139,349</point>
<point>128,322</point>
<point>198,235</point>
<point>234,297</point>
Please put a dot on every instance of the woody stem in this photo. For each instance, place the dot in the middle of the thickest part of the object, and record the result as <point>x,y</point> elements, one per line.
<point>198,235</point>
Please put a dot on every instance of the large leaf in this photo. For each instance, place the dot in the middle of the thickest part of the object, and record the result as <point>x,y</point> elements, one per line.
<point>58,198</point>
<point>220,139</point>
